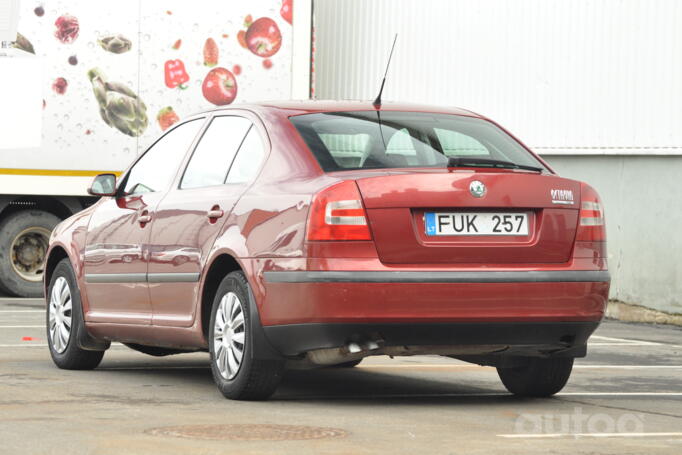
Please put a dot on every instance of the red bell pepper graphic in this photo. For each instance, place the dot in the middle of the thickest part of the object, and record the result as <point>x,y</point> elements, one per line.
<point>175,73</point>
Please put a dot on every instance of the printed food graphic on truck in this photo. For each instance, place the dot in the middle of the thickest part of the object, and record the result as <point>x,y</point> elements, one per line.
<point>116,75</point>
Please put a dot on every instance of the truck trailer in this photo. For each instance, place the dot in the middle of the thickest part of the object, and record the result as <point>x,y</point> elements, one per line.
<point>87,86</point>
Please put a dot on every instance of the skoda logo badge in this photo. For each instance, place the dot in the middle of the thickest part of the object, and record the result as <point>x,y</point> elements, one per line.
<point>477,188</point>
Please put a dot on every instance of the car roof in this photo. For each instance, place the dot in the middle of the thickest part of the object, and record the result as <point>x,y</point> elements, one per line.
<point>299,107</point>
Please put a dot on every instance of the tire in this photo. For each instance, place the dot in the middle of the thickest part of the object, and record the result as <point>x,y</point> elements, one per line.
<point>252,378</point>
<point>65,352</point>
<point>538,377</point>
<point>155,351</point>
<point>351,364</point>
<point>35,227</point>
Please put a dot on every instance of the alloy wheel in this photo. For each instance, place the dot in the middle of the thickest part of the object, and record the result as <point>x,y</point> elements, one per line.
<point>60,314</point>
<point>229,332</point>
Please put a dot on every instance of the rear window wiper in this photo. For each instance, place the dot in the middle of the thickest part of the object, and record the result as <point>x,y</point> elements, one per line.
<point>461,161</point>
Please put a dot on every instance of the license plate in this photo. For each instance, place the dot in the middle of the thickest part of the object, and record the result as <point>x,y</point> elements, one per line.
<point>476,223</point>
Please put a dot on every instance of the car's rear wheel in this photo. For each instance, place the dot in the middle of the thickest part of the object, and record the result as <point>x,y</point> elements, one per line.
<point>537,377</point>
<point>65,322</point>
<point>237,373</point>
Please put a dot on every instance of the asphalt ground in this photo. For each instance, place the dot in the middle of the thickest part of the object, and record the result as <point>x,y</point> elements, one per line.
<point>625,397</point>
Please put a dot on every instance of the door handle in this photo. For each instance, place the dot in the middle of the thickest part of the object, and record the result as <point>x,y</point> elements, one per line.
<point>144,218</point>
<point>214,214</point>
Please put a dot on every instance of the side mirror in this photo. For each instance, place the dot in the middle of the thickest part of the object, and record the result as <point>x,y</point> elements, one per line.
<point>103,185</point>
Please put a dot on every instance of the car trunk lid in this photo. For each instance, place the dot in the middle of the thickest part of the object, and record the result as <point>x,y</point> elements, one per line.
<point>399,205</point>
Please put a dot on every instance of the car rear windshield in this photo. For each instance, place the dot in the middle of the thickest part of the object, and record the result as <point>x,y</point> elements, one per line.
<point>393,139</point>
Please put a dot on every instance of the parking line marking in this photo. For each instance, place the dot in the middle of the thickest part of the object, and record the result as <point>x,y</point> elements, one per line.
<point>207,367</point>
<point>630,367</point>
<point>22,311</point>
<point>22,326</point>
<point>625,340</point>
<point>592,435</point>
<point>644,343</point>
<point>625,394</point>
<point>426,365</point>
<point>460,395</point>
<point>25,345</point>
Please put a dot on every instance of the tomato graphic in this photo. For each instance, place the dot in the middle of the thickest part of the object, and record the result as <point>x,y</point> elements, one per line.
<point>219,87</point>
<point>287,10</point>
<point>263,37</point>
<point>175,74</point>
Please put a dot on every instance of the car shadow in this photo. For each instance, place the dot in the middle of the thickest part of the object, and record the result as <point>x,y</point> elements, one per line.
<point>341,385</point>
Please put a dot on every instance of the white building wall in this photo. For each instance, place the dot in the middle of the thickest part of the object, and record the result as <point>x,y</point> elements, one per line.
<point>574,79</point>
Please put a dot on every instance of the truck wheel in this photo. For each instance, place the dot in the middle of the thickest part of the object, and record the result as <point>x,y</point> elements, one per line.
<point>236,372</point>
<point>538,377</point>
<point>64,320</point>
<point>24,237</point>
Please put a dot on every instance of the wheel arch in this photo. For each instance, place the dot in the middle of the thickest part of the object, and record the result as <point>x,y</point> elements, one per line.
<point>54,256</point>
<point>223,264</point>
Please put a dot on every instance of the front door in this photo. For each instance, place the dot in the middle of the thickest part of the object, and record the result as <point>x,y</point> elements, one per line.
<point>192,214</point>
<point>117,246</point>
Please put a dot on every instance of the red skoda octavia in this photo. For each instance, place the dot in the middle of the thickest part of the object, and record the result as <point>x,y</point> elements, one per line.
<point>312,234</point>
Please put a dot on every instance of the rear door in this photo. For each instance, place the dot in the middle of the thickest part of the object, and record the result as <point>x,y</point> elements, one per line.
<point>193,213</point>
<point>116,248</point>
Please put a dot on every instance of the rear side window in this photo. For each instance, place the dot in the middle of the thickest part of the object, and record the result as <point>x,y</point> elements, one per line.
<point>247,164</point>
<point>157,167</point>
<point>215,152</point>
<point>393,139</point>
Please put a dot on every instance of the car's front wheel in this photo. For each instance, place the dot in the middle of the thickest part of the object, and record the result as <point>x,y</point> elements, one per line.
<point>65,322</point>
<point>237,373</point>
<point>537,377</point>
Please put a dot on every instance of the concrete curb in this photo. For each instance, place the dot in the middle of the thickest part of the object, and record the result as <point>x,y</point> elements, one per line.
<point>635,313</point>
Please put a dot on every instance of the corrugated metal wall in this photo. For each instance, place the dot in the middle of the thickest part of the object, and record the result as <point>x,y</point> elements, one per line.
<point>576,76</point>
<point>568,77</point>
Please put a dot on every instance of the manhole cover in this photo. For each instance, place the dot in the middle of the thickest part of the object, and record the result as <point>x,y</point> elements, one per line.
<point>249,432</point>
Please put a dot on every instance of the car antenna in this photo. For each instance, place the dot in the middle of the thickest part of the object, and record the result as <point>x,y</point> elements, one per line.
<point>377,101</point>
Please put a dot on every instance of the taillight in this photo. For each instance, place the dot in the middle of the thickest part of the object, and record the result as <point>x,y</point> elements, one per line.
<point>591,227</point>
<point>337,213</point>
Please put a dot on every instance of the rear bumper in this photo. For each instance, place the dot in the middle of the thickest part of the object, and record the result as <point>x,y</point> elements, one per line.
<point>360,297</point>
<point>513,338</point>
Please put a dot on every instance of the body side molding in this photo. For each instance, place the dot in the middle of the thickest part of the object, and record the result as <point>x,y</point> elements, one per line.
<point>531,276</point>
<point>141,277</point>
